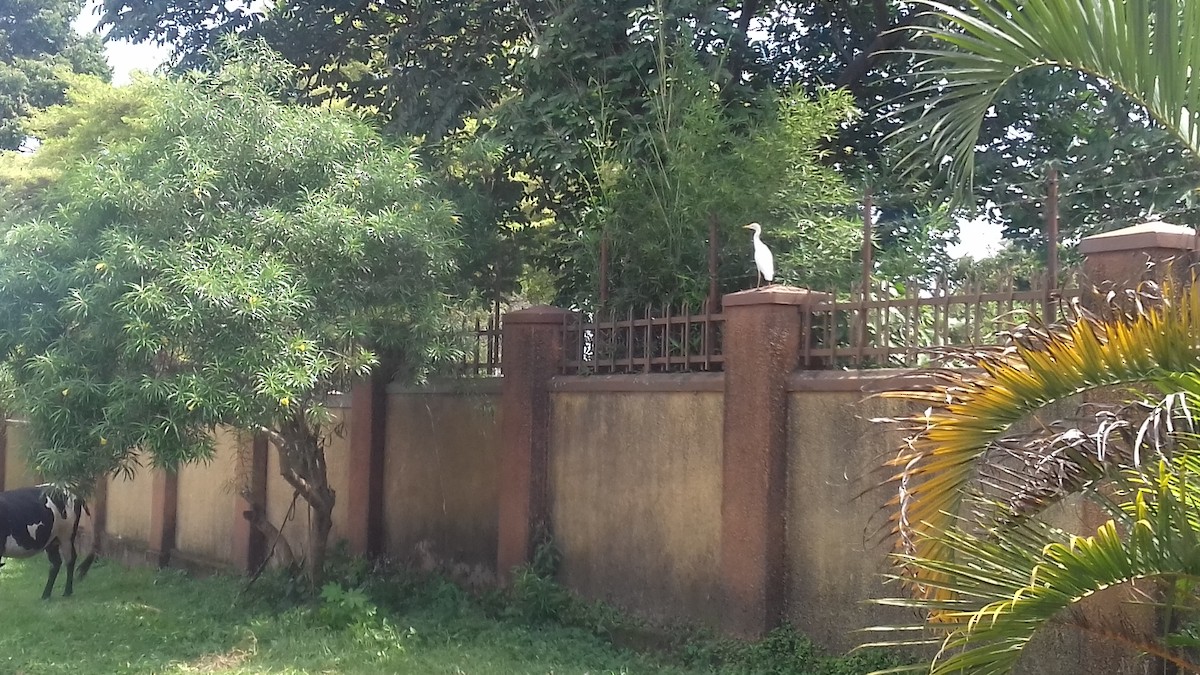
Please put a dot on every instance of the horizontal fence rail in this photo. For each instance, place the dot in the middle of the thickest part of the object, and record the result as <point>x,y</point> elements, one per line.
<point>666,341</point>
<point>918,330</point>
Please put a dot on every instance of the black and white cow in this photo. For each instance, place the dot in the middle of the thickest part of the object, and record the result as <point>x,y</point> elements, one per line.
<point>43,518</point>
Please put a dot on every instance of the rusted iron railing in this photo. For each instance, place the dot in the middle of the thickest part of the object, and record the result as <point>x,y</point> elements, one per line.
<point>662,341</point>
<point>917,328</point>
<point>911,329</point>
<point>481,356</point>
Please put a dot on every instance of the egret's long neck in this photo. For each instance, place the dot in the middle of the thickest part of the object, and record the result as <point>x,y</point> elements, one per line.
<point>757,238</point>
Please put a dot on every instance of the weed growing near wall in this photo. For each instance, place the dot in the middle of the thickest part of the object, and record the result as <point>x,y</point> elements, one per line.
<point>370,602</point>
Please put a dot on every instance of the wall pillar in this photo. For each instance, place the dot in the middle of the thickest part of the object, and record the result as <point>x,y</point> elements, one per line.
<point>98,505</point>
<point>1123,258</point>
<point>250,504</point>
<point>532,352</point>
<point>364,501</point>
<point>761,345</point>
<point>164,509</point>
<point>3,453</point>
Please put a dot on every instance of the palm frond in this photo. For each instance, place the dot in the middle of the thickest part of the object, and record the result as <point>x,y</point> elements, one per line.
<point>1147,49</point>
<point>966,413</point>
<point>1003,586</point>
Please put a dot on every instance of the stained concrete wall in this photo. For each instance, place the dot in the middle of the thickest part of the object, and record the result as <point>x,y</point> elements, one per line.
<point>204,528</point>
<point>635,492</point>
<point>128,510</point>
<point>635,478</point>
<point>17,473</point>
<point>440,474</point>
<point>834,548</point>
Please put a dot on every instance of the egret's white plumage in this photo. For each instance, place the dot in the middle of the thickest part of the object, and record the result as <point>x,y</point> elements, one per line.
<point>763,260</point>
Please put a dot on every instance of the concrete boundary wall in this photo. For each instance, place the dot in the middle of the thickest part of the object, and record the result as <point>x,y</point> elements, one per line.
<point>635,497</point>
<point>740,500</point>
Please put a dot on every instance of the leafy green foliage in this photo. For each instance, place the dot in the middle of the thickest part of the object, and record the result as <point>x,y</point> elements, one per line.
<point>38,48</point>
<point>1022,577</point>
<point>695,160</point>
<point>131,622</point>
<point>524,106</point>
<point>1132,46</point>
<point>785,652</point>
<point>226,259</point>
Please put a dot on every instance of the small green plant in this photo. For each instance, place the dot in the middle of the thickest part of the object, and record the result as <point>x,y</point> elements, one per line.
<point>536,598</point>
<point>351,610</point>
<point>341,606</point>
<point>344,567</point>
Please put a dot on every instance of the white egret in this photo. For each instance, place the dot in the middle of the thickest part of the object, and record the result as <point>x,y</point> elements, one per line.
<point>763,260</point>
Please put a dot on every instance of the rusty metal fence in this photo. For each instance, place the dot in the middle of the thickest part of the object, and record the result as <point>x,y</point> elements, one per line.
<point>481,353</point>
<point>922,327</point>
<point>902,330</point>
<point>662,341</point>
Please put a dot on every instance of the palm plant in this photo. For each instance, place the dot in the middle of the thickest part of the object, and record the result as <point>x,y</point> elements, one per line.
<point>975,551</point>
<point>1145,49</point>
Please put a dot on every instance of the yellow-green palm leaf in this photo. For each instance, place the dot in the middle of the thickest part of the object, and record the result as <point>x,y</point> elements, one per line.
<point>1004,586</point>
<point>967,412</point>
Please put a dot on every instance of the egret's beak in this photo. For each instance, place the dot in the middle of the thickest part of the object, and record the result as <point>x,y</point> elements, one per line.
<point>747,227</point>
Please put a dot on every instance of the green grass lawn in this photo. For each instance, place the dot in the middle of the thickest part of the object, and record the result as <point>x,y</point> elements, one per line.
<point>143,621</point>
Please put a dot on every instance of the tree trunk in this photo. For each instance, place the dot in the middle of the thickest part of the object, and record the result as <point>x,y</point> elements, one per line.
<point>318,542</point>
<point>302,465</point>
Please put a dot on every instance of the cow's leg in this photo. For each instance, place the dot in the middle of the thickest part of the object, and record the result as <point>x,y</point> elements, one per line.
<point>86,565</point>
<point>55,564</point>
<point>69,551</point>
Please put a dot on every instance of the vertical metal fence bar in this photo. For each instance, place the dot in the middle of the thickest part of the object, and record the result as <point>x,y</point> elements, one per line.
<point>649,347</point>
<point>806,334</point>
<point>860,320</point>
<point>834,337</point>
<point>666,339</point>
<point>913,329</point>
<point>706,336</point>
<point>476,346</point>
<point>946,339</point>
<point>629,341</point>
<point>978,327</point>
<point>687,336</point>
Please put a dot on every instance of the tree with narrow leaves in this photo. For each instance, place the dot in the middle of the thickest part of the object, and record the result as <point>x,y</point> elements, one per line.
<point>217,257</point>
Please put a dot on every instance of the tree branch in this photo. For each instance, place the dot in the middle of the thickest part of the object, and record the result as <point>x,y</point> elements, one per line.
<point>738,43</point>
<point>274,437</point>
<point>888,38</point>
<point>301,485</point>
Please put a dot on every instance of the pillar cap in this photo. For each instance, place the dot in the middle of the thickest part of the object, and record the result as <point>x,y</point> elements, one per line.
<point>775,294</point>
<point>1155,234</point>
<point>538,314</point>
